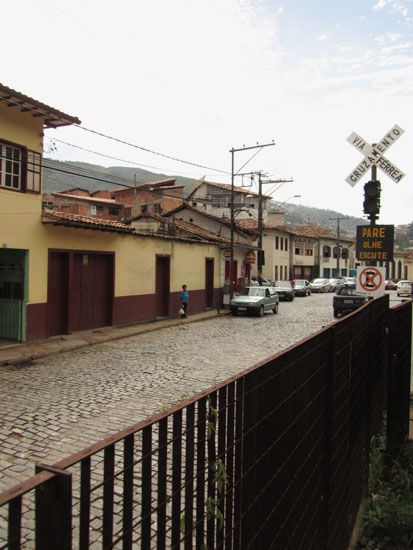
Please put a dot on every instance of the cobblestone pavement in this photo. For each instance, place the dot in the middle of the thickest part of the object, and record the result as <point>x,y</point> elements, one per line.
<point>57,405</point>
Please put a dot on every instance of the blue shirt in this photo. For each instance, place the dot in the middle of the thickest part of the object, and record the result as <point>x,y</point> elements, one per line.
<point>184,296</point>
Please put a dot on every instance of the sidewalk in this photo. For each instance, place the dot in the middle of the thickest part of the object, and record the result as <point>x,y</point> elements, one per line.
<point>13,354</point>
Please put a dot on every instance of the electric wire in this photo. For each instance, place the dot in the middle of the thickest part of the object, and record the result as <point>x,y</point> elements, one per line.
<point>141,148</point>
<point>118,140</point>
<point>119,159</point>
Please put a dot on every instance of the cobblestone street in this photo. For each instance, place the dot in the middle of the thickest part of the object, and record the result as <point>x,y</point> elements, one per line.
<point>55,406</point>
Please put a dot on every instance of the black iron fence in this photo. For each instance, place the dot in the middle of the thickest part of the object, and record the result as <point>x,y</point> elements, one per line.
<point>275,457</point>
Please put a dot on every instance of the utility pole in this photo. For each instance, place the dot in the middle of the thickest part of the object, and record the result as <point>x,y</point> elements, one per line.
<point>261,259</point>
<point>232,151</point>
<point>338,219</point>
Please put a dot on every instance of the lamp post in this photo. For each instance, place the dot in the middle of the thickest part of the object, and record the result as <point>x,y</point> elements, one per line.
<point>289,198</point>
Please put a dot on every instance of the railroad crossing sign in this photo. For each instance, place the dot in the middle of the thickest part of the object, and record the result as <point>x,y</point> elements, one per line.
<point>371,279</point>
<point>373,156</point>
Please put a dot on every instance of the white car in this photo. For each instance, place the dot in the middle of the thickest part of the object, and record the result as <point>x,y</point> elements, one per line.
<point>404,288</point>
<point>320,285</point>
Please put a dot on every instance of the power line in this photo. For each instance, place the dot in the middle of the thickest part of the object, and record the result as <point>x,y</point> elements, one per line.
<point>118,140</point>
<point>141,148</point>
<point>119,159</point>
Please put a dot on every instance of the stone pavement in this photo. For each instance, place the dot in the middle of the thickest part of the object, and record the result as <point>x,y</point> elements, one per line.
<point>14,354</point>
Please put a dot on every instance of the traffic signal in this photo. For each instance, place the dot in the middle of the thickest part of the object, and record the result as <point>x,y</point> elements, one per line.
<point>371,204</point>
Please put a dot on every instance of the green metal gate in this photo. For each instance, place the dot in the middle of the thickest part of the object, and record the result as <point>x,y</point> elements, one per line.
<point>12,294</point>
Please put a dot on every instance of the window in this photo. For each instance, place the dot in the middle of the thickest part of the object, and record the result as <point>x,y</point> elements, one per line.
<point>276,272</point>
<point>93,210</point>
<point>281,243</point>
<point>20,169</point>
<point>276,245</point>
<point>157,208</point>
<point>10,167</point>
<point>34,165</point>
<point>326,251</point>
<point>286,243</point>
<point>113,211</point>
<point>299,248</point>
<point>144,208</point>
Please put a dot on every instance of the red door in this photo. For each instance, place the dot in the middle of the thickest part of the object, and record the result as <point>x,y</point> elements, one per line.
<point>162,286</point>
<point>92,290</point>
<point>209,282</point>
<point>58,293</point>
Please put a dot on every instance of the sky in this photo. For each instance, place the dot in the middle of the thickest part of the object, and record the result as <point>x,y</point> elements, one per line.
<point>192,79</point>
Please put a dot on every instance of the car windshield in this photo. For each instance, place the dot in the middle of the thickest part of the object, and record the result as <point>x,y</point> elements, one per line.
<point>253,291</point>
<point>299,283</point>
<point>282,283</point>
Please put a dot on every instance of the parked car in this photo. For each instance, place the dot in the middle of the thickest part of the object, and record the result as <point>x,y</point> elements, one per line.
<point>404,288</point>
<point>336,284</point>
<point>350,281</point>
<point>255,299</point>
<point>347,299</point>
<point>284,290</point>
<point>390,285</point>
<point>302,287</point>
<point>320,285</point>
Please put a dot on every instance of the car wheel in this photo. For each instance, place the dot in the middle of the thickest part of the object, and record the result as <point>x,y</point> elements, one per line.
<point>292,298</point>
<point>336,313</point>
<point>261,311</point>
<point>275,310</point>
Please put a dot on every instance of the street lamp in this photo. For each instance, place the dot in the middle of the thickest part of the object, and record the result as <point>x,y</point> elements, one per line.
<point>289,198</point>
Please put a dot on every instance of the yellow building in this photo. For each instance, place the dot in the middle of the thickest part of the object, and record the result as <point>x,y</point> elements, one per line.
<point>64,272</point>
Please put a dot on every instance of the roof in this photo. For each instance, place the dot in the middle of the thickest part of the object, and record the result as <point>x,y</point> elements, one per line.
<point>188,227</point>
<point>52,118</point>
<point>111,202</point>
<point>312,231</point>
<point>86,222</point>
<point>222,221</point>
<point>227,187</point>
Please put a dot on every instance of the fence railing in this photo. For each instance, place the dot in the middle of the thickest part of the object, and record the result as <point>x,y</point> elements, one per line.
<point>275,457</point>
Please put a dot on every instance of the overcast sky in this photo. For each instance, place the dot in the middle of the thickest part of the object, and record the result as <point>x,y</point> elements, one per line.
<point>192,79</point>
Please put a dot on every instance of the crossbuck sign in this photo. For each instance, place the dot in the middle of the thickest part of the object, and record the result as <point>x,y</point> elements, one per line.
<point>373,155</point>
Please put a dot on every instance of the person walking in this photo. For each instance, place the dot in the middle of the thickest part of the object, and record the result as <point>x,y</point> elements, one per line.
<point>184,301</point>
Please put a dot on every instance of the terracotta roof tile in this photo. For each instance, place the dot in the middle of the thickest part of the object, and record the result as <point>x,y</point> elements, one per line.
<point>111,202</point>
<point>76,220</point>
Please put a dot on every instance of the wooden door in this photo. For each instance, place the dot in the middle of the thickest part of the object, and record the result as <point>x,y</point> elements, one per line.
<point>58,293</point>
<point>92,291</point>
<point>209,282</point>
<point>162,286</point>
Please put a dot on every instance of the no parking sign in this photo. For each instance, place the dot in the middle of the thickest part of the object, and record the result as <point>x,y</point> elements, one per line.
<point>371,280</point>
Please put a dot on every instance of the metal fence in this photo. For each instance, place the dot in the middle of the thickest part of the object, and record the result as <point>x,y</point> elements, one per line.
<point>275,457</point>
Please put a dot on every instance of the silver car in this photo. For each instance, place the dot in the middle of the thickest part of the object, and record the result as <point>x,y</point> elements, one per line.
<point>255,299</point>
<point>320,285</point>
<point>404,288</point>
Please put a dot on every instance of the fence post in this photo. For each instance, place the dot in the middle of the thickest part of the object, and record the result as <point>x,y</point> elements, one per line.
<point>53,510</point>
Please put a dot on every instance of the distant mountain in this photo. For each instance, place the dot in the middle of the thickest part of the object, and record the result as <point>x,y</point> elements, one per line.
<point>63,175</point>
